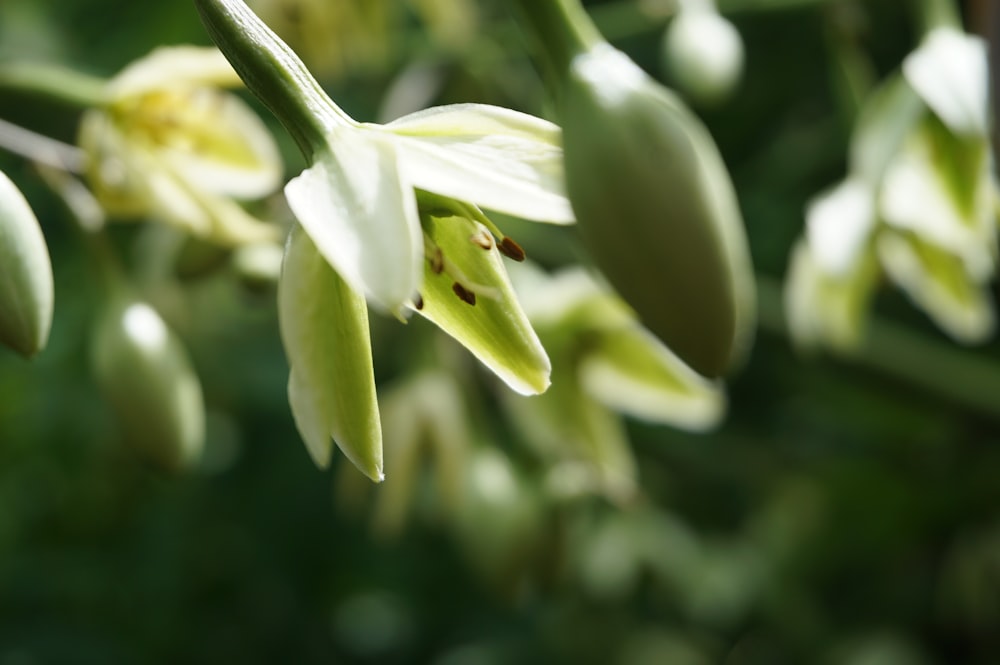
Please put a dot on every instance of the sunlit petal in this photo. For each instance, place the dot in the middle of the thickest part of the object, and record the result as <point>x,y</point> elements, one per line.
<point>495,329</point>
<point>324,327</point>
<point>362,214</point>
<point>499,159</point>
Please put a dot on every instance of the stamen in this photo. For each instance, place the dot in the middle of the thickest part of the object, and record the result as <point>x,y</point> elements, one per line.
<point>482,238</point>
<point>418,302</point>
<point>437,261</point>
<point>511,249</point>
<point>464,294</point>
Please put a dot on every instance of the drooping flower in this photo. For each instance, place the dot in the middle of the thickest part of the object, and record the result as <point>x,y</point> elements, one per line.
<point>167,143</point>
<point>917,206</point>
<point>390,214</point>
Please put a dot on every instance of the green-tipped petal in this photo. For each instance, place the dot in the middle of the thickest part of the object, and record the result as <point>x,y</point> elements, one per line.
<point>361,212</point>
<point>324,327</point>
<point>26,290</point>
<point>495,329</point>
<point>937,281</point>
<point>496,158</point>
<point>632,372</point>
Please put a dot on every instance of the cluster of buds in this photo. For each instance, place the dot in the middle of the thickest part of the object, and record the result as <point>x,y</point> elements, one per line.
<point>917,207</point>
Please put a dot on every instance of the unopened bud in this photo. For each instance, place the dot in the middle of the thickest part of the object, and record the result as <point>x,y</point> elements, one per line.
<point>145,374</point>
<point>26,290</point>
<point>657,209</point>
<point>704,52</point>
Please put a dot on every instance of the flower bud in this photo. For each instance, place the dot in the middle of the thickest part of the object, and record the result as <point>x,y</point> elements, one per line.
<point>144,372</point>
<point>26,291</point>
<point>657,209</point>
<point>704,52</point>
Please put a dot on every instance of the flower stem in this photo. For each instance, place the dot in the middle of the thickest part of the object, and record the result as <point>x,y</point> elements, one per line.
<point>559,30</point>
<point>52,83</point>
<point>41,149</point>
<point>272,72</point>
<point>937,14</point>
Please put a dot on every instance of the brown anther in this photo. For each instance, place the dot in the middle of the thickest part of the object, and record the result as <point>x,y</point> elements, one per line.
<point>463,293</point>
<point>437,261</point>
<point>482,239</point>
<point>418,301</point>
<point>511,249</point>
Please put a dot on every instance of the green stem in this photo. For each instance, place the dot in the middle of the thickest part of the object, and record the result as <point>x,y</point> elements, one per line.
<point>957,376</point>
<point>937,14</point>
<point>272,72</point>
<point>52,83</point>
<point>559,30</point>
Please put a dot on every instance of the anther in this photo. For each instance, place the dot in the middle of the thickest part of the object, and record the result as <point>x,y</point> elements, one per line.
<point>418,301</point>
<point>482,238</point>
<point>437,261</point>
<point>511,249</point>
<point>464,294</point>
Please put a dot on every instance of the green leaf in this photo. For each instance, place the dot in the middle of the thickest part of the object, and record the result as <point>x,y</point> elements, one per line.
<point>26,289</point>
<point>331,390</point>
<point>495,329</point>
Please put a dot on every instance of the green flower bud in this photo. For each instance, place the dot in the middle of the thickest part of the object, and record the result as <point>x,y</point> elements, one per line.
<point>650,192</point>
<point>657,209</point>
<point>144,372</point>
<point>26,291</point>
<point>704,52</point>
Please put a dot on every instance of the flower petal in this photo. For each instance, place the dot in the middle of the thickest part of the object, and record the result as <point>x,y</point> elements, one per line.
<point>839,225</point>
<point>950,72</point>
<point>938,283</point>
<point>939,188</point>
<point>495,329</point>
<point>218,144</point>
<point>631,371</point>
<point>324,327</point>
<point>173,65</point>
<point>496,158</point>
<point>362,214</point>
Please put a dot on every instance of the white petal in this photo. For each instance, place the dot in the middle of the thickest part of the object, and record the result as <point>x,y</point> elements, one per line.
<point>324,329</point>
<point>950,72</point>
<point>839,224</point>
<point>496,158</point>
<point>362,214</point>
<point>937,282</point>
<point>631,371</point>
<point>173,66</point>
<point>915,197</point>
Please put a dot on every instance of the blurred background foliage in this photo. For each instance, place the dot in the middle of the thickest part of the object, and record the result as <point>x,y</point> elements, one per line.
<point>846,512</point>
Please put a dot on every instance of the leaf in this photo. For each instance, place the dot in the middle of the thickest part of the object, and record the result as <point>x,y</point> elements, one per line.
<point>324,327</point>
<point>26,288</point>
<point>495,329</point>
<point>361,213</point>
